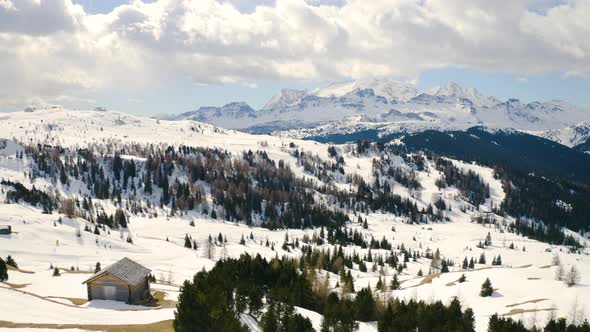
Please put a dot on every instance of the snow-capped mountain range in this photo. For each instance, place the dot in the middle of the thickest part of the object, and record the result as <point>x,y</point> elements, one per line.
<point>570,136</point>
<point>390,105</point>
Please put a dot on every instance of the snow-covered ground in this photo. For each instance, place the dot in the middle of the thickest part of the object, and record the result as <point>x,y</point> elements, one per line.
<point>524,281</point>
<point>523,277</point>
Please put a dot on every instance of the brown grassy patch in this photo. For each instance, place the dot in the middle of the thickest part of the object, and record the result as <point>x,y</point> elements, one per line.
<point>480,268</point>
<point>453,283</point>
<point>12,268</point>
<point>524,266</point>
<point>78,301</point>
<point>546,266</point>
<point>15,286</point>
<point>164,326</point>
<point>74,300</point>
<point>525,302</point>
<point>522,311</point>
<point>533,278</point>
<point>426,280</point>
<point>39,296</point>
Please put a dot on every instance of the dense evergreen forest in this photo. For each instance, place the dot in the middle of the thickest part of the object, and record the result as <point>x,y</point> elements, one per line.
<point>249,188</point>
<point>253,189</point>
<point>213,300</point>
<point>553,201</point>
<point>268,291</point>
<point>502,324</point>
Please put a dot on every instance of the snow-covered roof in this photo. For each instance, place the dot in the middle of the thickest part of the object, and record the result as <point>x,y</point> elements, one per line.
<point>126,270</point>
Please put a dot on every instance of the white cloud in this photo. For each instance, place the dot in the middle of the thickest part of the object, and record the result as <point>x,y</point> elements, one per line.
<point>52,48</point>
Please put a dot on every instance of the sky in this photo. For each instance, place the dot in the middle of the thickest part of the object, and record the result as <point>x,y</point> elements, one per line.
<point>171,56</point>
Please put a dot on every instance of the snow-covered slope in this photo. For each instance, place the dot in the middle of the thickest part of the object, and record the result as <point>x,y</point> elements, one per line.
<point>525,282</point>
<point>388,101</point>
<point>8,147</point>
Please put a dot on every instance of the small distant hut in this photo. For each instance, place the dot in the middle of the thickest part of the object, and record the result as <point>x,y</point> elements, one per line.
<point>5,229</point>
<point>125,281</point>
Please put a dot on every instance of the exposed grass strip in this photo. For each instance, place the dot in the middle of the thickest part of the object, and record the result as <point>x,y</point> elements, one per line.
<point>165,326</point>
<point>74,300</point>
<point>523,311</point>
<point>526,302</point>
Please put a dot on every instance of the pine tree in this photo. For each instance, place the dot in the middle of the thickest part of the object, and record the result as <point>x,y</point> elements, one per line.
<point>187,242</point>
<point>488,241</point>
<point>555,260</point>
<point>465,264</point>
<point>482,258</point>
<point>242,240</point>
<point>63,176</point>
<point>97,268</point>
<point>362,266</point>
<point>395,284</point>
<point>210,249</point>
<point>56,272</point>
<point>471,263</point>
<point>559,272</point>
<point>468,320</point>
<point>10,261</point>
<point>462,278</point>
<point>486,288</point>
<point>147,182</point>
<point>379,285</point>
<point>120,218</point>
<point>572,277</point>
<point>3,270</point>
<point>435,262</point>
<point>365,306</point>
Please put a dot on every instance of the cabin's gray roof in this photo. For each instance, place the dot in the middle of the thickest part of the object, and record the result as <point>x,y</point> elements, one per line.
<point>126,270</point>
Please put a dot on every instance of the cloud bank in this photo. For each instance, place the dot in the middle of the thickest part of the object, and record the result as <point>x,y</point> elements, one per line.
<point>53,50</point>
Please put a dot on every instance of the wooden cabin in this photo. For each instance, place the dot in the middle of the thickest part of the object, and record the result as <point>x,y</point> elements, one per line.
<point>125,281</point>
<point>5,229</point>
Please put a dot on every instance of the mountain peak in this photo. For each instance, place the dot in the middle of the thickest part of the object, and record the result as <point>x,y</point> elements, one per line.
<point>455,90</point>
<point>284,98</point>
<point>241,105</point>
<point>387,87</point>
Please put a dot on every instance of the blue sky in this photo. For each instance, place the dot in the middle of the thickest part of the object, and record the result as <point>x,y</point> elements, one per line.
<point>137,61</point>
